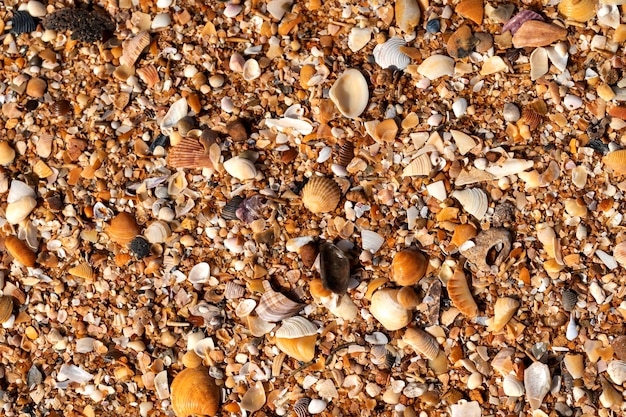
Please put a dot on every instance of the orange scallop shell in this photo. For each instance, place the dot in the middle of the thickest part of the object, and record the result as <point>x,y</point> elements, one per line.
<point>321,195</point>
<point>195,392</point>
<point>20,251</point>
<point>82,270</point>
<point>408,267</point>
<point>123,228</point>
<point>460,294</point>
<point>616,160</point>
<point>189,153</point>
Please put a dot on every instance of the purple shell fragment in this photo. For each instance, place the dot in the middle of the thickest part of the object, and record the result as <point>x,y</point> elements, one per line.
<point>519,19</point>
<point>251,208</point>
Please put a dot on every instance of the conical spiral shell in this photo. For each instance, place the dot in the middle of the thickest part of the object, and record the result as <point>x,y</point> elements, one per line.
<point>20,251</point>
<point>321,195</point>
<point>195,392</point>
<point>578,10</point>
<point>460,294</point>
<point>421,342</point>
<point>473,200</point>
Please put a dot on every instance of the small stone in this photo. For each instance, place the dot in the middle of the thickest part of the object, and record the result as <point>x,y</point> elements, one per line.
<point>605,92</point>
<point>36,9</point>
<point>36,87</point>
<point>511,112</point>
<point>140,247</point>
<point>237,131</point>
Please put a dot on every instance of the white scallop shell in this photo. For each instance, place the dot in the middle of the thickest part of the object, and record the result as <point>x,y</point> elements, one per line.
<point>538,63</point>
<point>358,38</point>
<point>473,200</point>
<point>388,54</point>
<point>350,93</point>
<point>436,66</point>
<point>177,111</point>
<point>251,70</point>
<point>157,232</point>
<point>512,386</point>
<point>295,327</point>
<point>240,168</point>
<point>371,241</point>
<point>200,273</point>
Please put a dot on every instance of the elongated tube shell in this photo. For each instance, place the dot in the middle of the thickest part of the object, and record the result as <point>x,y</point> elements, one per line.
<point>195,392</point>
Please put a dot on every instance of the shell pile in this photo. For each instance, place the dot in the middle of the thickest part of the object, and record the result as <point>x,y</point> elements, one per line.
<point>335,208</point>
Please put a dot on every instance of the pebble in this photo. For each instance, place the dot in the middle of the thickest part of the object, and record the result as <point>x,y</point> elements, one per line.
<point>511,112</point>
<point>36,9</point>
<point>572,102</point>
<point>164,4</point>
<point>459,107</point>
<point>216,81</point>
<point>433,26</point>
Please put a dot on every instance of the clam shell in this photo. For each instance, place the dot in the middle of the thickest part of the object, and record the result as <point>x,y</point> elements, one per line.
<point>388,311</point>
<point>177,111</point>
<point>350,93</point>
<point>569,299</point>
<point>616,160</point>
<point>460,294</point>
<point>296,337</point>
<point>537,383</point>
<point>616,370</point>
<point>257,326</point>
<point>149,75</point>
<point>251,70</point>
<point>6,308</point>
<point>578,10</point>
<point>20,251</point>
<point>407,298</point>
<point>471,9</point>
<point>274,306</point>
<point>334,268</point>
<point>23,22</point>
<point>436,66</point>
<point>619,253</point>
<point>300,408</point>
<point>422,342</point>
<point>157,232</point>
<point>420,166</point>
<point>407,13</point>
<point>83,270</point>
<point>371,241</point>
<point>473,200</point>
<point>388,54</point>
<point>295,327</point>
<point>503,310</point>
<point>19,210</point>
<point>189,153</point>
<point>358,38</point>
<point>254,398</point>
<point>321,195</point>
<point>133,47</point>
<point>535,33</point>
<point>512,386</point>
<point>318,290</point>
<point>538,63</point>
<point>123,228</point>
<point>408,267</point>
<point>7,153</point>
<point>240,168</point>
<point>193,391</point>
<point>200,273</point>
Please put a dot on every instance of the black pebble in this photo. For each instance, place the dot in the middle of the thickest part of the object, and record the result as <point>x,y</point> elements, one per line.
<point>140,247</point>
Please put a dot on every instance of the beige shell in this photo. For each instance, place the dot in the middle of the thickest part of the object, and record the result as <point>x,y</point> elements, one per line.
<point>6,308</point>
<point>471,9</point>
<point>503,310</point>
<point>388,311</point>
<point>275,306</point>
<point>460,294</point>
<point>7,153</point>
<point>133,47</point>
<point>422,342</point>
<point>193,391</point>
<point>20,251</point>
<point>157,232</point>
<point>512,386</point>
<point>321,195</point>
<point>407,13</point>
<point>473,200</point>
<point>42,169</point>
<point>296,337</point>
<point>123,228</point>
<point>408,298</point>
<point>240,168</point>
<point>420,166</point>
<point>254,398</point>
<point>537,383</point>
<point>616,160</point>
<point>350,93</point>
<point>258,326</point>
<point>578,10</point>
<point>619,252</point>
<point>149,75</point>
<point>535,33</point>
<point>436,66</point>
<point>617,371</point>
<point>575,365</point>
<point>408,267</point>
<point>82,270</point>
<point>19,210</point>
<point>36,87</point>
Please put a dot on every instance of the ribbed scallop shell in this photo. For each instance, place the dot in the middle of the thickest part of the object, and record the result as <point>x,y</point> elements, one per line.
<point>233,291</point>
<point>321,195</point>
<point>460,294</point>
<point>42,169</point>
<point>619,253</point>
<point>436,66</point>
<point>123,228</point>
<point>82,270</point>
<point>422,342</point>
<point>189,153</point>
<point>149,75</point>
<point>388,311</point>
<point>519,19</point>
<point>473,200</point>
<point>20,251</point>
<point>60,108</point>
<point>23,22</point>
<point>300,408</point>
<point>503,310</point>
<point>195,392</point>
<point>420,166</point>
<point>350,93</point>
<point>616,160</point>
<point>274,306</point>
<point>6,308</point>
<point>388,54</point>
<point>578,10</point>
<point>132,48</point>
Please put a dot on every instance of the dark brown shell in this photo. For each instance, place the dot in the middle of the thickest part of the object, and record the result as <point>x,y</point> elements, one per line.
<point>60,108</point>
<point>346,153</point>
<point>195,392</point>
<point>334,268</point>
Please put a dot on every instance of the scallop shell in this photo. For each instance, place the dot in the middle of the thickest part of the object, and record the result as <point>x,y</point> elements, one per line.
<point>420,166</point>
<point>471,9</point>
<point>149,75</point>
<point>296,337</point>
<point>23,22</point>
<point>422,342</point>
<point>503,310</point>
<point>473,200</point>
<point>189,153</point>
<point>300,408</point>
<point>436,66</point>
<point>275,306</point>
<point>371,241</point>
<point>388,54</point>
<point>388,311</point>
<point>578,10</point>
<point>157,232</point>
<point>20,251</point>
<point>233,291</point>
<point>123,228</point>
<point>321,195</point>
<point>407,298</point>
<point>408,267</point>
<point>537,383</point>
<point>19,210</point>
<point>193,391</point>
<point>512,386</point>
<point>133,47</point>
<point>240,168</point>
<point>460,294</point>
<point>616,160</point>
<point>617,371</point>
<point>83,270</point>
<point>407,13</point>
<point>350,93</point>
<point>7,153</point>
<point>6,308</point>
<point>535,33</point>
<point>334,268</point>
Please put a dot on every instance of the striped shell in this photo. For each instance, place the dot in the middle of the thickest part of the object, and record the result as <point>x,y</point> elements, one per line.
<point>569,299</point>
<point>189,153</point>
<point>195,392</point>
<point>42,169</point>
<point>123,228</point>
<point>619,253</point>
<point>519,19</point>
<point>157,232</point>
<point>531,118</point>
<point>300,408</point>
<point>420,166</point>
<point>578,10</point>
<point>346,154</point>
<point>460,294</point>
<point>20,251</point>
<point>422,342</point>
<point>616,160</point>
<point>388,54</point>
<point>233,291</point>
<point>274,306</point>
<point>321,195</point>
<point>133,47</point>
<point>149,75</point>
<point>503,310</point>
<point>473,200</point>
<point>60,108</point>
<point>296,337</point>
<point>6,307</point>
<point>82,270</point>
<point>23,22</point>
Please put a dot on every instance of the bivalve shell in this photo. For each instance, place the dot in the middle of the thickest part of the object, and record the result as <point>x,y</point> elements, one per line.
<point>617,371</point>
<point>350,93</point>
<point>157,232</point>
<point>388,311</point>
<point>358,38</point>
<point>200,273</point>
<point>149,75</point>
<point>19,210</point>
<point>472,10</point>
<point>254,398</point>
<point>512,386</point>
<point>371,241</point>
<point>420,166</point>
<point>274,306</point>
<point>123,228</point>
<point>82,270</point>
<point>503,310</point>
<point>389,55</point>
<point>7,153</point>
<point>436,66</point>
<point>23,22</point>
<point>189,153</point>
<point>460,294</point>
<point>422,342</point>
<point>6,308</point>
<point>334,268</point>
<point>133,47</point>
<point>321,195</point>
<point>407,13</point>
<point>241,168</point>
<point>408,267</point>
<point>193,391</point>
<point>535,33</point>
<point>408,298</point>
<point>473,200</point>
<point>537,383</point>
<point>616,160</point>
<point>20,251</point>
<point>251,70</point>
<point>578,10</point>
<point>296,337</point>
<point>619,253</point>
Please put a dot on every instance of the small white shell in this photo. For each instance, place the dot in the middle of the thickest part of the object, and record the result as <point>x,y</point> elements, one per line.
<point>18,191</point>
<point>358,38</point>
<point>538,63</point>
<point>19,210</point>
<point>388,54</point>
<point>177,111</point>
<point>161,386</point>
<point>350,93</point>
<point>473,200</point>
<point>558,55</point>
<point>203,347</point>
<point>512,386</point>
<point>316,406</point>
<point>251,70</point>
<point>240,168</point>
<point>617,371</point>
<point>420,166</point>
<point>295,327</point>
<point>371,241</point>
<point>245,307</point>
<point>436,66</point>
<point>509,167</point>
<point>200,273</point>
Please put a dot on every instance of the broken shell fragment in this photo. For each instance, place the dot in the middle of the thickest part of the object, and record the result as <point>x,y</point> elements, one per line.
<point>575,365</point>
<point>460,294</point>
<point>296,337</point>
<point>408,267</point>
<point>358,38</point>
<point>479,254</point>
<point>389,55</point>
<point>519,19</point>
<point>471,9</point>
<point>420,166</point>
<point>535,33</point>
<point>421,342</point>
<point>321,195</point>
<point>407,14</point>
<point>254,398</point>
<point>133,47</point>
<point>6,308</point>
<point>350,93</point>
<point>503,310</point>
<point>436,66</point>
<point>473,200</point>
<point>275,306</point>
<point>537,383</point>
<point>193,392</point>
<point>20,251</point>
<point>7,153</point>
<point>388,311</point>
<point>334,268</point>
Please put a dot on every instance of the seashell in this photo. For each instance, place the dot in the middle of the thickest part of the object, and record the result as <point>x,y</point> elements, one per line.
<point>384,131</point>
<point>296,337</point>
<point>123,228</point>
<point>6,308</point>
<point>7,153</point>
<point>484,243</point>
<point>619,253</point>
<point>240,168</point>
<point>317,289</point>
<point>254,398</point>
<point>537,383</point>
<point>321,195</point>
<point>460,294</point>
<point>83,270</point>
<point>388,311</point>
<point>519,19</point>
<point>20,251</point>
<point>157,232</point>
<point>19,210</point>
<point>463,141</point>
<point>610,397</point>
<point>558,55</point>
<point>371,241</point>
<point>245,307</point>
<point>177,111</point>
<point>407,298</point>
<point>133,47</point>
<point>350,93</point>
<point>23,22</point>
<point>462,233</point>
<point>616,160</point>
<point>149,75</point>
<point>407,13</point>
<point>200,273</point>
<point>161,385</point>
<point>408,267</point>
<point>575,365</point>
<point>346,153</point>
<point>420,166</point>
<point>503,361</point>
<point>422,342</point>
<point>234,291</point>
<point>569,299</point>
<point>275,306</point>
<point>358,38</point>
<point>388,54</point>
<point>535,33</point>
<point>189,153</point>
<point>334,268</point>
<point>578,10</point>
<point>316,406</point>
<point>193,391</point>
<point>471,9</point>
<point>251,70</point>
<point>512,386</point>
<point>461,43</point>
<point>616,370</point>
<point>300,408</point>
<point>436,66</point>
<point>42,169</point>
<point>473,200</point>
<point>229,212</point>
<point>503,310</point>
<point>538,64</point>
<point>259,327</point>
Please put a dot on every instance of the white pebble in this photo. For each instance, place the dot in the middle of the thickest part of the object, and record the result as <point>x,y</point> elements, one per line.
<point>164,4</point>
<point>572,102</point>
<point>459,107</point>
<point>511,112</point>
<point>316,406</point>
<point>36,9</point>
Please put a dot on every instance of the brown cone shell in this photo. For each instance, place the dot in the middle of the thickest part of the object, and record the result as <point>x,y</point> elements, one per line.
<point>194,392</point>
